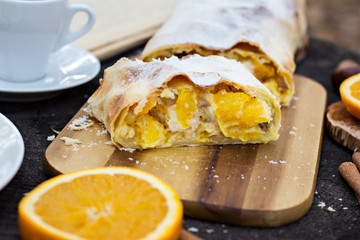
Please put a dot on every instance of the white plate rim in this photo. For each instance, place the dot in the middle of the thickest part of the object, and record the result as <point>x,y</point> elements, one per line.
<point>96,70</point>
<point>20,156</point>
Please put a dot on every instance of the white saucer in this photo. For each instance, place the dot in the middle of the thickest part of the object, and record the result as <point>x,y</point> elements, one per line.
<point>11,150</point>
<point>69,67</point>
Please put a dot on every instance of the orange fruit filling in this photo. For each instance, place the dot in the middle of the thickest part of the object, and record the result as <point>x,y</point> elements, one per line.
<point>185,107</point>
<point>238,112</point>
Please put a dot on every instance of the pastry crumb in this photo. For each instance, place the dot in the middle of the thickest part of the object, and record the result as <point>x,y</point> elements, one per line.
<point>81,123</point>
<point>70,141</point>
<point>330,209</point>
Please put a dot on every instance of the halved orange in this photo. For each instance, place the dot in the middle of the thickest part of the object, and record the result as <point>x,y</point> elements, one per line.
<point>101,203</point>
<point>350,95</point>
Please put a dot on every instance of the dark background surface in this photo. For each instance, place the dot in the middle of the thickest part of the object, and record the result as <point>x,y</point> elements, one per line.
<point>35,121</point>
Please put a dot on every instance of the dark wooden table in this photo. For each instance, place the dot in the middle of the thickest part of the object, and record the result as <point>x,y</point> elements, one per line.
<point>36,119</point>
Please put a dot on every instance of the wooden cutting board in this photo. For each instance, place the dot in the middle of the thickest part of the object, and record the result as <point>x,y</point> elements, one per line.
<point>253,185</point>
<point>120,24</point>
<point>343,127</point>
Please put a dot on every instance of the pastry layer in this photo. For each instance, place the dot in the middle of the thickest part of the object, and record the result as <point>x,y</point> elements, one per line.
<point>263,35</point>
<point>192,101</point>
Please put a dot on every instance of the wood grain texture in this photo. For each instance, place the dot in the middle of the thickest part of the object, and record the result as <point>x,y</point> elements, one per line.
<point>185,235</point>
<point>254,185</point>
<point>342,126</point>
<point>120,24</point>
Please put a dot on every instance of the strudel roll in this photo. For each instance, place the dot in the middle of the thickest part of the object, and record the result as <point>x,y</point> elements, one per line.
<point>262,34</point>
<point>184,102</point>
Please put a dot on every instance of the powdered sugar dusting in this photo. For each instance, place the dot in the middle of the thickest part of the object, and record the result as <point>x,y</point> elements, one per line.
<point>127,149</point>
<point>203,71</point>
<point>222,24</point>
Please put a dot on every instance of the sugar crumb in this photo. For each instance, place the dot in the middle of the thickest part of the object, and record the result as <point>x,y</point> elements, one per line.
<point>193,229</point>
<point>51,138</point>
<point>321,204</point>
<point>102,132</point>
<point>210,230</point>
<point>127,149</point>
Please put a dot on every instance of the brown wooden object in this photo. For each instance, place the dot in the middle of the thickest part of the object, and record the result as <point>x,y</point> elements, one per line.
<point>350,173</point>
<point>254,185</point>
<point>342,126</point>
<point>120,24</point>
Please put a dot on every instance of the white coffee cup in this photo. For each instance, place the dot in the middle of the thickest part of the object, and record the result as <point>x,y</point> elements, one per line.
<point>31,30</point>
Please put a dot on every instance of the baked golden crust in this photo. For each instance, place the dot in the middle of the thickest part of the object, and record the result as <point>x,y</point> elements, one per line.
<point>190,101</point>
<point>264,35</point>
